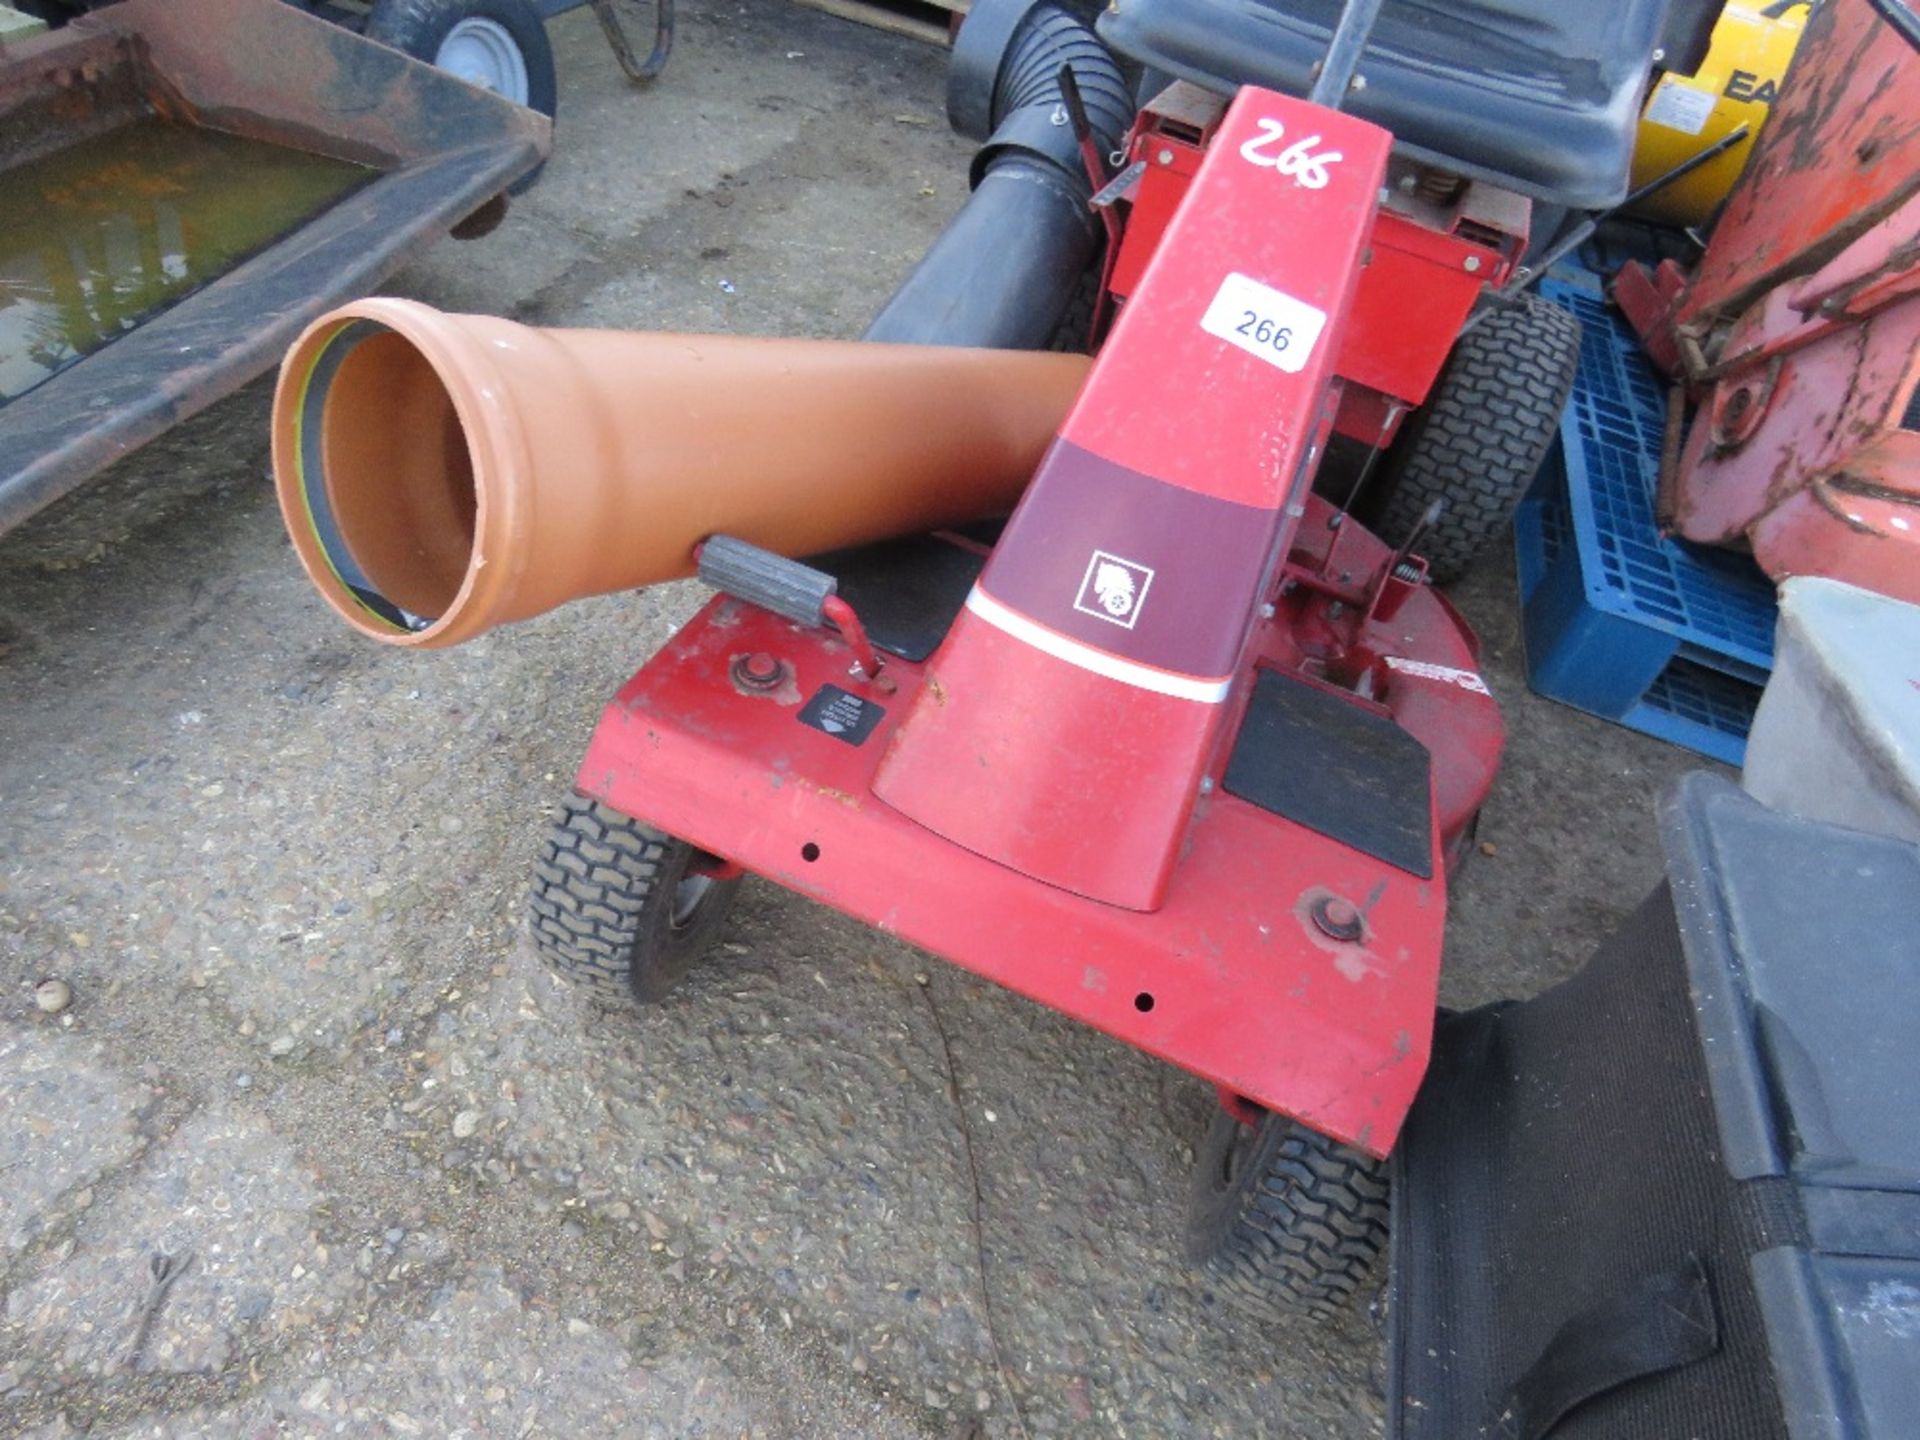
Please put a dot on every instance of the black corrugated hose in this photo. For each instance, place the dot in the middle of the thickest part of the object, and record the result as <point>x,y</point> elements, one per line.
<point>1005,270</point>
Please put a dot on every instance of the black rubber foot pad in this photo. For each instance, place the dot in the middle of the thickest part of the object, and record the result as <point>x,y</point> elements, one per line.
<point>1307,755</point>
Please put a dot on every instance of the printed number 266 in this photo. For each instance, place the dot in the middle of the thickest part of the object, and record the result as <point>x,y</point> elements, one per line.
<point>1263,330</point>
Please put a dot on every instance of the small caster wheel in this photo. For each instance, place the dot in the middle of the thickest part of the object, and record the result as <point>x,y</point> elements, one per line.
<point>618,908</point>
<point>1284,1222</point>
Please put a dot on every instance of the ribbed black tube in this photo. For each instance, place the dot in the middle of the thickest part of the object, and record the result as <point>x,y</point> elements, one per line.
<point>1003,272</point>
<point>1029,77</point>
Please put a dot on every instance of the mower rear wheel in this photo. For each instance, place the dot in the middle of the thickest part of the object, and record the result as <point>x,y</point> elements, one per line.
<point>1283,1221</point>
<point>1479,440</point>
<point>618,907</point>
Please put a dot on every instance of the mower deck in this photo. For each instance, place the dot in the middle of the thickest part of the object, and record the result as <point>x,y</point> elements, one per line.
<point>1241,976</point>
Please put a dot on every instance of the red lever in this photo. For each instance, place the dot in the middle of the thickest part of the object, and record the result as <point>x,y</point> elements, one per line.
<point>865,660</point>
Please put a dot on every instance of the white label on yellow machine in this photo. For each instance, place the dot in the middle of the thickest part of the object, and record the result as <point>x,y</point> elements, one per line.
<point>1265,323</point>
<point>1680,107</point>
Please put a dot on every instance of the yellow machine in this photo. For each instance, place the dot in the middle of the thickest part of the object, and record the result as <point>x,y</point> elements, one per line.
<point>1685,114</point>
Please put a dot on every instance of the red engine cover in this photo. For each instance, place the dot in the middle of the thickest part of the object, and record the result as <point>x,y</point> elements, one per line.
<point>1087,682</point>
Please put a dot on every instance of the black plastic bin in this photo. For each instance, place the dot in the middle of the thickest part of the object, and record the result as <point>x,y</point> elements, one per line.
<point>1679,1195</point>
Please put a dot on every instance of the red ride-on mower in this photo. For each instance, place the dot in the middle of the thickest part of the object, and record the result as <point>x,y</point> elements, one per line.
<point>1183,750</point>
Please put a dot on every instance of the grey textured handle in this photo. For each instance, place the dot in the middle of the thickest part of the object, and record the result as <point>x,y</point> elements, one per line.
<point>786,587</point>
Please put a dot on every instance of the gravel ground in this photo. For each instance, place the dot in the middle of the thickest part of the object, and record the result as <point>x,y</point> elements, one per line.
<point>317,1146</point>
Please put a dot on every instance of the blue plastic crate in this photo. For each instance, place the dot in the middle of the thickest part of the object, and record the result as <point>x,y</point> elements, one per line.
<point>1654,633</point>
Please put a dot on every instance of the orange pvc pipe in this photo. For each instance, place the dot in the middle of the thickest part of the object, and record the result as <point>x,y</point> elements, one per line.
<point>442,474</point>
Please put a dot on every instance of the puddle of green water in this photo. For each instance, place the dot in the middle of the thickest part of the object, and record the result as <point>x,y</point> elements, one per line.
<point>102,235</point>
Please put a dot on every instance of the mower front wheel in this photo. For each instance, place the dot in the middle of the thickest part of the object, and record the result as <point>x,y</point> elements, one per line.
<point>1283,1221</point>
<point>619,908</point>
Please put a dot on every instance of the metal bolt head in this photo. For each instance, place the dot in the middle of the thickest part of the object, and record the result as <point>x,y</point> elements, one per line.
<point>1206,784</point>
<point>1338,918</point>
<point>1472,263</point>
<point>1165,157</point>
<point>758,671</point>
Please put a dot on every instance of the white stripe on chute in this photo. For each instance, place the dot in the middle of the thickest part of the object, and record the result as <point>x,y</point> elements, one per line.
<point>1100,662</point>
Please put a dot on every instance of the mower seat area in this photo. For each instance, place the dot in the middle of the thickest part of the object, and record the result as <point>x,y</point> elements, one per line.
<point>1542,96</point>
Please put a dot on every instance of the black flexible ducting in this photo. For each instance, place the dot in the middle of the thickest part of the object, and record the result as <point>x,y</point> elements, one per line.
<point>1003,273</point>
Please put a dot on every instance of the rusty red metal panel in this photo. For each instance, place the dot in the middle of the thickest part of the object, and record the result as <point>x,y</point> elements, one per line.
<point>274,73</point>
<point>1809,456</point>
<point>1648,299</point>
<point>1806,444</point>
<point>1840,152</point>
<point>1850,524</point>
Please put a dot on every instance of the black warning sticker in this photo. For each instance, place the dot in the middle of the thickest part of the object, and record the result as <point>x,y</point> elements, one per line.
<point>841,714</point>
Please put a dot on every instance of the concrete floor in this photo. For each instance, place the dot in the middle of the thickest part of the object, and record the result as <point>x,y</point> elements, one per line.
<point>421,1188</point>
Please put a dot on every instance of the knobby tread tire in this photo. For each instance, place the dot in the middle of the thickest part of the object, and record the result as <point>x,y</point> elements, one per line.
<point>1480,438</point>
<point>600,910</point>
<point>1296,1231</point>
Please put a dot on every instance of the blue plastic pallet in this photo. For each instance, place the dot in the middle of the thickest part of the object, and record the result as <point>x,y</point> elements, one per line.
<point>1661,636</point>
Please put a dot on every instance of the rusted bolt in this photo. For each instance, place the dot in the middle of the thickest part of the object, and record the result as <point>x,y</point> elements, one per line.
<point>1337,918</point>
<point>758,671</point>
